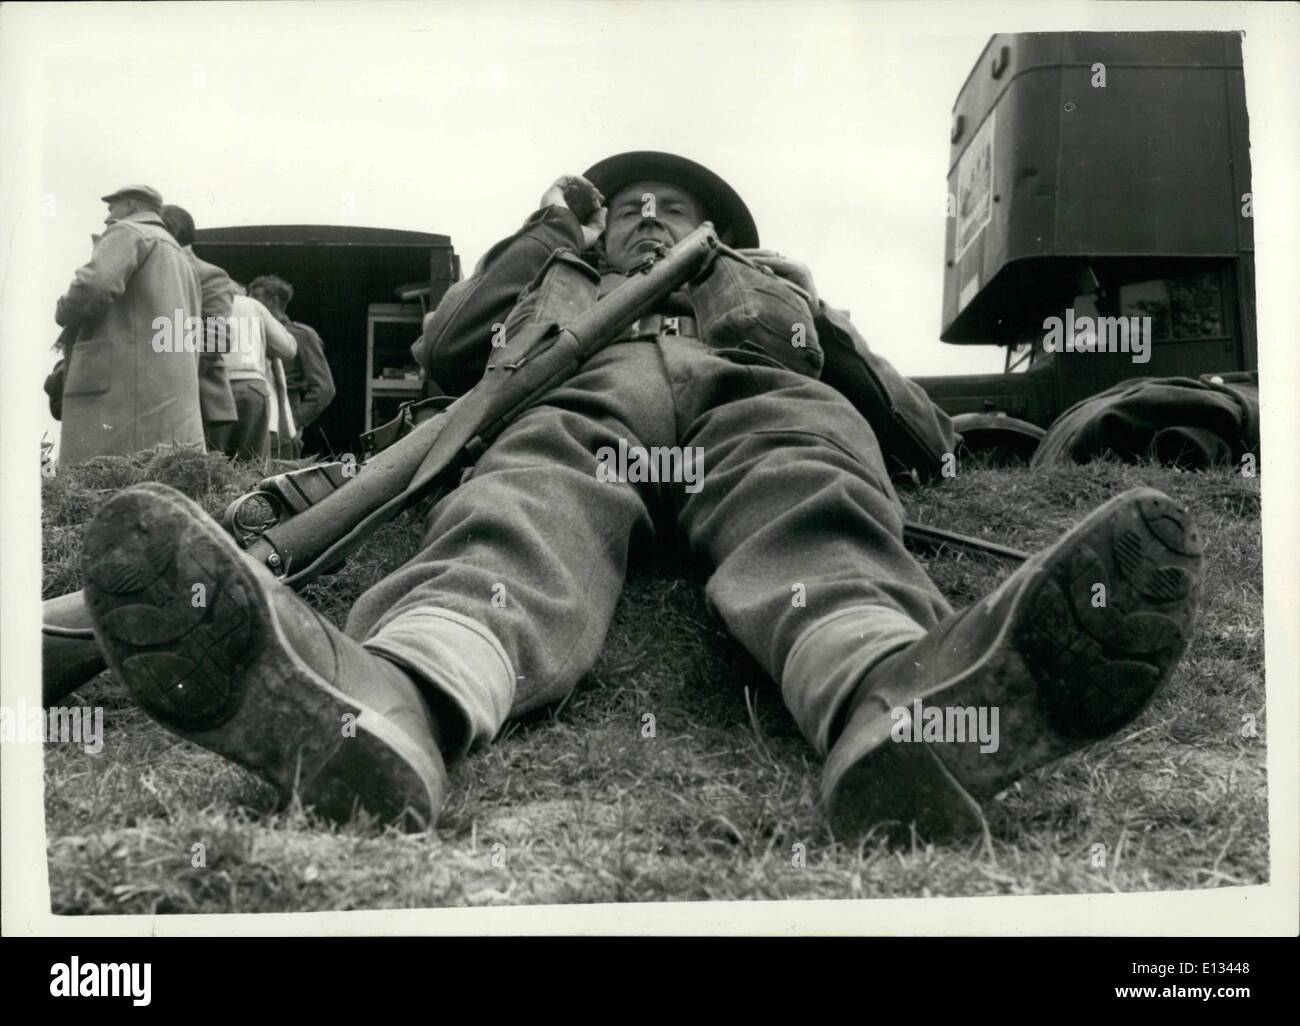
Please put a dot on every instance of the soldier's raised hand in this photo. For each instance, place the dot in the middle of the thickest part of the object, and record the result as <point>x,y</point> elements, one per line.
<point>584,199</point>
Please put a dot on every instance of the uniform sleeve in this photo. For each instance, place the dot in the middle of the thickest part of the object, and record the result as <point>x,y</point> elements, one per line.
<point>458,336</point>
<point>318,387</point>
<point>97,285</point>
<point>279,343</point>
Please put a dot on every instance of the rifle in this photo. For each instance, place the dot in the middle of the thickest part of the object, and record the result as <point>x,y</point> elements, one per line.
<point>304,523</point>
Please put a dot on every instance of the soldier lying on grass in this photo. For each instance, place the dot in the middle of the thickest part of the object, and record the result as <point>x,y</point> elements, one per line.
<point>507,605</point>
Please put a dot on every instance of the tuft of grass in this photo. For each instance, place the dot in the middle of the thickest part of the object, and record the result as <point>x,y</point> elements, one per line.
<point>575,804</point>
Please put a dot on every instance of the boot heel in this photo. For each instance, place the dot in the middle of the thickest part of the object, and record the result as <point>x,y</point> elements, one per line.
<point>1102,630</point>
<point>895,786</point>
<point>179,621</point>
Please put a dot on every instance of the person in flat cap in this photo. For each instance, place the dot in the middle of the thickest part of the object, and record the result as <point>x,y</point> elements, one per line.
<point>130,384</point>
<point>308,380</point>
<point>796,428</point>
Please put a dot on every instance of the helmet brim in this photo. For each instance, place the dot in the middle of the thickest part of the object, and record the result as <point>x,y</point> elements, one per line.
<point>723,205</point>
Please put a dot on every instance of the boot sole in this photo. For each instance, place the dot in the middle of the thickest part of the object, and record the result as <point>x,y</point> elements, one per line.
<point>1061,671</point>
<point>185,622</point>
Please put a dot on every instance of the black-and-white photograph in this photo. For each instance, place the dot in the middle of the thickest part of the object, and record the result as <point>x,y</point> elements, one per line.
<point>599,453</point>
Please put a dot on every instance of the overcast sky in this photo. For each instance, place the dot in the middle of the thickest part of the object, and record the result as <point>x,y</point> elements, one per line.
<point>831,120</point>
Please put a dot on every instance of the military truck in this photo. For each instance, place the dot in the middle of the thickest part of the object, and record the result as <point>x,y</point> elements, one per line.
<point>1102,179</point>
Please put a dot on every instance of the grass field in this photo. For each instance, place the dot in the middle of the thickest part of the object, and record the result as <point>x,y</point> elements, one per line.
<point>576,806</point>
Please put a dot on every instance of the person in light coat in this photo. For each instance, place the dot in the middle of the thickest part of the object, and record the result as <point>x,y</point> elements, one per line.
<point>124,393</point>
<point>255,344</point>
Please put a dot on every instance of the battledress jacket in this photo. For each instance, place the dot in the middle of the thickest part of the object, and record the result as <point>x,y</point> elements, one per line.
<point>122,395</point>
<point>914,434</point>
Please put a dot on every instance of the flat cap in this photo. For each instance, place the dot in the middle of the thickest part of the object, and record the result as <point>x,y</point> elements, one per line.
<point>145,192</point>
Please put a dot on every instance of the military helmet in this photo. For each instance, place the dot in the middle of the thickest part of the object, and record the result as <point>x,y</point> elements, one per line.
<point>723,205</point>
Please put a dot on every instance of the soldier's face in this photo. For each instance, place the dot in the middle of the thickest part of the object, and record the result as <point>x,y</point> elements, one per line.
<point>644,215</point>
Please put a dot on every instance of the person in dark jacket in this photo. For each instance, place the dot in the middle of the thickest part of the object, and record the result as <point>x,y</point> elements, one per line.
<point>216,400</point>
<point>307,376</point>
<point>778,484</point>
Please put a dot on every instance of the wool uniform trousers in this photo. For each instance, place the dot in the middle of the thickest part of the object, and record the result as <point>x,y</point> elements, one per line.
<point>508,603</point>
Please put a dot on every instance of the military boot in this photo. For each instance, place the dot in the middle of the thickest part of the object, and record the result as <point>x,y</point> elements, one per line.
<point>216,650</point>
<point>1067,650</point>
